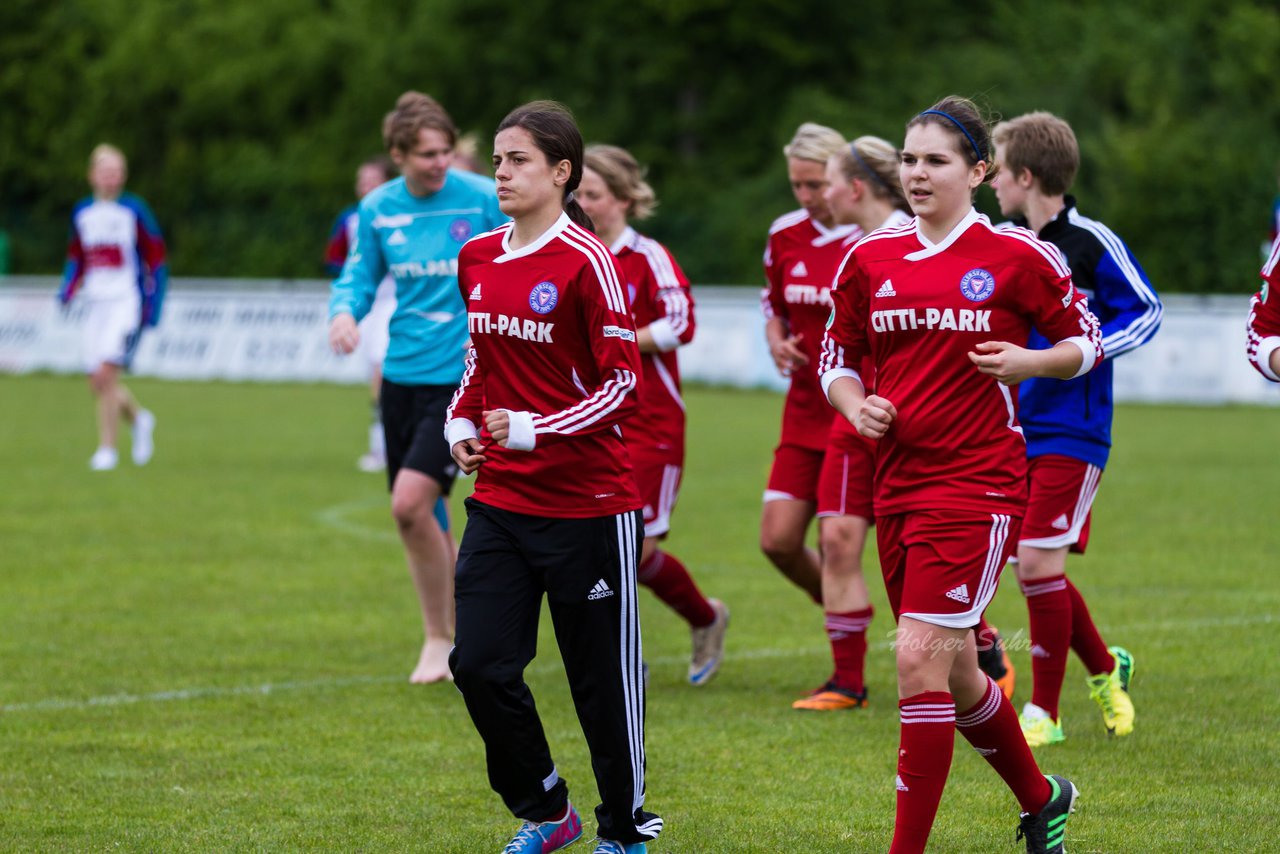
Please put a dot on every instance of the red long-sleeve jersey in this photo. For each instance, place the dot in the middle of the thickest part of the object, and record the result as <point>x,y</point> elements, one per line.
<point>800,262</point>
<point>554,343</point>
<point>1264,318</point>
<point>918,309</point>
<point>660,299</point>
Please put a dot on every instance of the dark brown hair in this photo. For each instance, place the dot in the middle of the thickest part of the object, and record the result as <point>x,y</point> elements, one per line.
<point>556,135</point>
<point>964,120</point>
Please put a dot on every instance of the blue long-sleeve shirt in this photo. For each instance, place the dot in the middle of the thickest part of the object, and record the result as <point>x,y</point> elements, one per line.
<point>417,241</point>
<point>1073,417</point>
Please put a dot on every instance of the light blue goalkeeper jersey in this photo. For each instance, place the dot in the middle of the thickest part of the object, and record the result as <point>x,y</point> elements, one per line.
<point>417,241</point>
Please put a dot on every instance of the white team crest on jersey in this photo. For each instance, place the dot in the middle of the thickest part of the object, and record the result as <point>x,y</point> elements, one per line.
<point>886,290</point>
<point>397,238</point>
<point>799,269</point>
<point>977,284</point>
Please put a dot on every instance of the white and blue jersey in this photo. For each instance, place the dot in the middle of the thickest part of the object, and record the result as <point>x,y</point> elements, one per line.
<point>417,240</point>
<point>1073,417</point>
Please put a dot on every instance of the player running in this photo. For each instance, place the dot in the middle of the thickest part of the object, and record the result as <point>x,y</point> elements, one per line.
<point>614,191</point>
<point>863,189</point>
<point>551,373</point>
<point>1068,424</point>
<point>413,227</point>
<point>942,306</point>
<point>800,260</point>
<point>1263,339</point>
<point>116,259</point>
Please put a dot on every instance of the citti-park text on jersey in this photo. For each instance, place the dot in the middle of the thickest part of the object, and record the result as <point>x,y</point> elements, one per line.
<point>901,319</point>
<point>484,323</point>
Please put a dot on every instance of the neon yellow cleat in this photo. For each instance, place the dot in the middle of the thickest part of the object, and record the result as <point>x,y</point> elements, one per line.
<point>1110,692</point>
<point>1038,728</point>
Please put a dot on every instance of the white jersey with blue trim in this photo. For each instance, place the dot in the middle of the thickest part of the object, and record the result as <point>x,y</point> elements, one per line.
<point>416,241</point>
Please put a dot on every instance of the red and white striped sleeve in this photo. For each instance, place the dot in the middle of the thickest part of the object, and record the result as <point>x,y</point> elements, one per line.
<point>607,325</point>
<point>676,326</point>
<point>845,342</point>
<point>1263,326</point>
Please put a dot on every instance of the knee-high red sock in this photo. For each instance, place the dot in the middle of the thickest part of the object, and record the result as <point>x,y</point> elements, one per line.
<point>671,582</point>
<point>928,735</point>
<point>1085,639</point>
<point>1049,606</point>
<point>993,730</point>
<point>847,631</point>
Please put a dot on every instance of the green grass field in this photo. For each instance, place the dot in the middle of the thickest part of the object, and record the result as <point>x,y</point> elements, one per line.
<point>210,653</point>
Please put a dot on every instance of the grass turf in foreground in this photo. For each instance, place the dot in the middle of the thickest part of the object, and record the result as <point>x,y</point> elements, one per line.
<point>210,653</point>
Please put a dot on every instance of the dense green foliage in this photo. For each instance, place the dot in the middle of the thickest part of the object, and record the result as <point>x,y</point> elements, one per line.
<point>211,653</point>
<point>244,119</point>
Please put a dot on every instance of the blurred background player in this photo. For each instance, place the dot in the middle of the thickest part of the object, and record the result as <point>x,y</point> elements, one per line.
<point>804,249</point>
<point>414,227</point>
<point>1263,339</point>
<point>1068,424</point>
<point>942,306</point>
<point>863,189</point>
<point>614,191</point>
<point>372,174</point>
<point>116,259</point>
<point>552,371</point>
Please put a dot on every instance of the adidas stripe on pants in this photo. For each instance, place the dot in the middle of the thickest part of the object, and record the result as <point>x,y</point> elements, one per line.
<point>586,568</point>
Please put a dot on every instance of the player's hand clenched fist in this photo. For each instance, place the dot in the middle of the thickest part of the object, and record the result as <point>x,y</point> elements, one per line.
<point>874,417</point>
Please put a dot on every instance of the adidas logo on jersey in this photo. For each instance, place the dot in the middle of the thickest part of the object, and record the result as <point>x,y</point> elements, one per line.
<point>886,290</point>
<point>475,292</point>
<point>397,238</point>
<point>901,786</point>
<point>600,591</point>
<point>800,269</point>
<point>1061,523</point>
<point>960,594</point>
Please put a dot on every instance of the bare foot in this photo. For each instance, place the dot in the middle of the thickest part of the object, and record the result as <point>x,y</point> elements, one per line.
<point>433,664</point>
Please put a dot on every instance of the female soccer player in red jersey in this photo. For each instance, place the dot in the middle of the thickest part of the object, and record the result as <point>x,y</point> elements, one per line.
<point>863,190</point>
<point>550,375</point>
<point>943,306</point>
<point>800,260</point>
<point>614,191</point>
<point>1263,345</point>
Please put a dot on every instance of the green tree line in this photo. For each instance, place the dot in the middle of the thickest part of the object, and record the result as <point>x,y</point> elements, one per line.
<point>244,119</point>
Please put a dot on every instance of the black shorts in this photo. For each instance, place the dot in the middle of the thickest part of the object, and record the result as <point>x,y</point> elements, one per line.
<point>413,423</point>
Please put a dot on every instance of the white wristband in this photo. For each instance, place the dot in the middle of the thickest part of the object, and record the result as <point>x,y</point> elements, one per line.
<point>521,436</point>
<point>458,430</point>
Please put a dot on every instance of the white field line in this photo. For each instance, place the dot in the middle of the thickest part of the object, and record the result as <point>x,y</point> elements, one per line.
<point>268,688</point>
<point>335,517</point>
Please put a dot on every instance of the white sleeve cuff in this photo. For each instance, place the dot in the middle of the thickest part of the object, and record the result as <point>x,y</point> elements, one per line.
<point>459,429</point>
<point>1265,348</point>
<point>1088,354</point>
<point>664,335</point>
<point>836,373</point>
<point>521,436</point>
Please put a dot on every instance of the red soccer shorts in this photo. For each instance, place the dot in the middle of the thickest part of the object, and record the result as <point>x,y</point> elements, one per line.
<point>794,475</point>
<point>848,471</point>
<point>1062,490</point>
<point>942,567</point>
<point>658,479</point>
